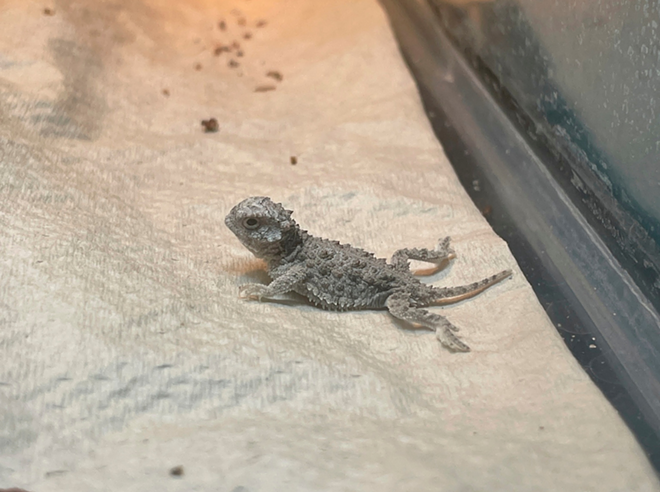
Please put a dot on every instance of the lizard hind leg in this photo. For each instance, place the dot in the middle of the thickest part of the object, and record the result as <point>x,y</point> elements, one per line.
<point>440,257</point>
<point>400,307</point>
<point>449,295</point>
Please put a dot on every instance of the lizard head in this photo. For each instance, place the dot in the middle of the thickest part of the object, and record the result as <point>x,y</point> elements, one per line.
<point>263,226</point>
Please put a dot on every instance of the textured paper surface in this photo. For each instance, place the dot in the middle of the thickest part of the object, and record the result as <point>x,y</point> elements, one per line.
<point>124,349</point>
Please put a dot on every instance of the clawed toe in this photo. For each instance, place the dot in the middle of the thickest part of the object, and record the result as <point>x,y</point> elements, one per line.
<point>449,340</point>
<point>444,247</point>
<point>250,292</point>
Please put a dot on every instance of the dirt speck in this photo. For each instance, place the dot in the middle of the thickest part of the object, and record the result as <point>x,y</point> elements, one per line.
<point>264,88</point>
<point>262,23</point>
<point>222,25</point>
<point>293,160</point>
<point>166,92</point>
<point>275,75</point>
<point>247,35</point>
<point>221,49</point>
<point>49,11</point>
<point>176,471</point>
<point>486,211</point>
<point>211,125</point>
<point>197,66</point>
<point>239,53</point>
<point>55,473</point>
<point>233,64</point>
<point>241,21</point>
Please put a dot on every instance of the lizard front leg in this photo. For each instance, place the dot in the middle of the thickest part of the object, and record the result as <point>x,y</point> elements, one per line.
<point>284,283</point>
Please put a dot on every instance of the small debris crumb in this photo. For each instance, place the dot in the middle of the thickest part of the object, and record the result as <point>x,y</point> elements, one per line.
<point>211,125</point>
<point>239,53</point>
<point>247,35</point>
<point>592,346</point>
<point>221,49</point>
<point>294,160</point>
<point>261,23</point>
<point>274,74</point>
<point>236,45</point>
<point>264,88</point>
<point>487,210</point>
<point>176,471</point>
<point>198,66</point>
<point>222,25</point>
<point>49,11</point>
<point>241,21</point>
<point>541,427</point>
<point>166,92</point>
<point>55,473</point>
<point>233,64</point>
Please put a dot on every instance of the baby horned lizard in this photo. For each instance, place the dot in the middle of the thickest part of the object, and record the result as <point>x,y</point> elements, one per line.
<point>339,277</point>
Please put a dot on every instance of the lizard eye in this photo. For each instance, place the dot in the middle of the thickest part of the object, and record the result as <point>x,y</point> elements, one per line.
<point>250,223</point>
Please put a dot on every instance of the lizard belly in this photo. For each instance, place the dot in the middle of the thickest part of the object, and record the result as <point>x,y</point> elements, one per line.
<point>338,297</point>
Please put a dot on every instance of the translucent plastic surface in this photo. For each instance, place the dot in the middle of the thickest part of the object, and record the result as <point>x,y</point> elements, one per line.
<point>589,71</point>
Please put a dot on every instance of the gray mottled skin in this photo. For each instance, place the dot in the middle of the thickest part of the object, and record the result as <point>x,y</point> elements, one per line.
<point>340,277</point>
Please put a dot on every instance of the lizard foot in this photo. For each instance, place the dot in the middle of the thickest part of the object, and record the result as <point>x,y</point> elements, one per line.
<point>251,292</point>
